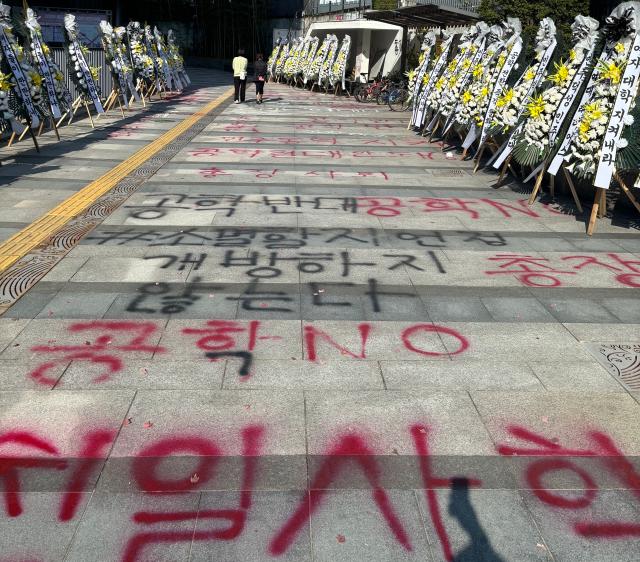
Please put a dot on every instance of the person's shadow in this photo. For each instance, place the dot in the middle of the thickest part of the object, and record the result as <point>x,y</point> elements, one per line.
<point>479,549</point>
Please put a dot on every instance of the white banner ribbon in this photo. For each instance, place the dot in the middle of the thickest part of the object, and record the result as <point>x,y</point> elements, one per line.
<point>497,90</point>
<point>43,63</point>
<point>88,77</point>
<point>626,94</point>
<point>21,80</point>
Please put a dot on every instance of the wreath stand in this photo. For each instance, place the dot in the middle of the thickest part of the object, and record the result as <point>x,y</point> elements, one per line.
<point>600,202</point>
<point>75,106</point>
<point>112,99</point>
<point>27,130</point>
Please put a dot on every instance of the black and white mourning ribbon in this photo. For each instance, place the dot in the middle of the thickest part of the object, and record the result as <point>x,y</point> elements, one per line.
<point>23,90</point>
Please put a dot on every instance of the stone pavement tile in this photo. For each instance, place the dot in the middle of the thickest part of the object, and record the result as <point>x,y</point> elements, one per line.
<point>614,333</point>
<point>247,219</point>
<point>569,376</point>
<point>268,514</point>
<point>305,375</point>
<point>347,340</point>
<point>458,375</point>
<point>422,222</point>
<point>87,248</point>
<point>330,304</point>
<point>165,300</point>
<point>67,304</point>
<point>448,425</point>
<point>37,533</point>
<point>566,417</point>
<point>150,375</point>
<point>401,304</point>
<point>16,375</point>
<point>626,310</point>
<point>145,215</point>
<point>85,336</point>
<point>596,244</point>
<point>65,269</point>
<point>179,426</point>
<point>274,339</point>
<point>504,309</point>
<point>629,244</point>
<point>108,530</point>
<point>566,545</point>
<point>349,526</point>
<point>9,330</point>
<point>129,270</point>
<point>463,273</point>
<point>456,309</point>
<point>528,342</point>
<point>487,525</point>
<point>30,304</point>
<point>550,244</point>
<point>577,310</point>
<point>513,224</point>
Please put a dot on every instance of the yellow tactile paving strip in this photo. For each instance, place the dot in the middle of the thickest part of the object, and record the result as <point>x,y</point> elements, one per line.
<point>42,229</point>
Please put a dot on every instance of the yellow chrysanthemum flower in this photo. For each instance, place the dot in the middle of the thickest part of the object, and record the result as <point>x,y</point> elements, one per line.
<point>592,112</point>
<point>561,75</point>
<point>535,108</point>
<point>506,98</point>
<point>478,70</point>
<point>620,48</point>
<point>572,55</point>
<point>484,92</point>
<point>5,81</point>
<point>612,72</point>
<point>440,83</point>
<point>467,97</point>
<point>36,79</point>
<point>530,75</point>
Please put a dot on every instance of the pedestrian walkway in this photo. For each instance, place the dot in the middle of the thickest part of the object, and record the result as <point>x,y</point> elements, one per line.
<point>303,295</point>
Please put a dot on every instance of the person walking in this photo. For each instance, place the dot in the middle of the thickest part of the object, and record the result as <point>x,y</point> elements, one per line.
<point>260,76</point>
<point>239,65</point>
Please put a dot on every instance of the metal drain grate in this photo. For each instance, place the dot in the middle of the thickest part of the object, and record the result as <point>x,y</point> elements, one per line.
<point>447,173</point>
<point>621,360</point>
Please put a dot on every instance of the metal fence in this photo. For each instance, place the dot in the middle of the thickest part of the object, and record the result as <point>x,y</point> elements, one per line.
<point>314,7</point>
<point>94,58</point>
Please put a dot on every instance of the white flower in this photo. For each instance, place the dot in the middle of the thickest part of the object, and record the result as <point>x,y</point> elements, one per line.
<point>628,119</point>
<point>623,143</point>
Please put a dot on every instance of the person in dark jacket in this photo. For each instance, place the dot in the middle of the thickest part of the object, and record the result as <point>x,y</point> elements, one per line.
<point>260,72</point>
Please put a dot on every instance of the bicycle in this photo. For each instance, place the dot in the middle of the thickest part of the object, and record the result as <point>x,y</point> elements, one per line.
<point>398,100</point>
<point>369,92</point>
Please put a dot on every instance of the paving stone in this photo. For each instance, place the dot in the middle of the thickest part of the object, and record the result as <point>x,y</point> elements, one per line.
<point>16,375</point>
<point>37,533</point>
<point>577,310</point>
<point>627,310</point>
<point>305,375</point>
<point>503,341</point>
<point>483,525</point>
<point>275,339</point>
<point>127,539</point>
<point>458,375</point>
<point>614,333</point>
<point>516,310</point>
<point>268,514</point>
<point>349,526</point>
<point>456,309</point>
<point>128,270</point>
<point>219,417</point>
<point>571,376</point>
<point>156,375</point>
<point>29,305</point>
<point>565,417</point>
<point>556,525</point>
<point>9,330</point>
<point>75,305</point>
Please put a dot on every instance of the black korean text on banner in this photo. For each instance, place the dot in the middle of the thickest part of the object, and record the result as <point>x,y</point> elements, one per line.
<point>499,87</point>
<point>43,63</point>
<point>22,82</point>
<point>88,77</point>
<point>563,152</point>
<point>542,68</point>
<point>418,117</point>
<point>626,94</point>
